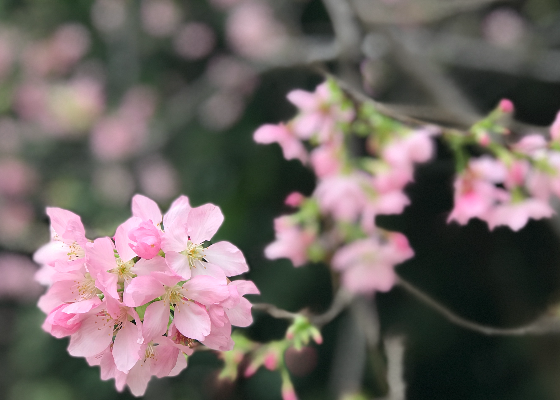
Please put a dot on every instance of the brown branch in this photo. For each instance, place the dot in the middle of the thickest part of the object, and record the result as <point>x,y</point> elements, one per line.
<point>341,301</point>
<point>542,326</point>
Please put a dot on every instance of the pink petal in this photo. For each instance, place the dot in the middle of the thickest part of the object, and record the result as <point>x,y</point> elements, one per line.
<point>67,224</point>
<point>122,240</point>
<point>166,357</point>
<point>180,365</point>
<point>94,335</point>
<point>204,268</point>
<point>204,222</point>
<point>146,209</point>
<point>228,257</point>
<point>192,320</point>
<point>240,315</point>
<point>303,100</point>
<point>155,320</point>
<point>175,218</point>
<point>137,379</point>
<point>245,287</point>
<point>146,267</point>
<point>178,263</point>
<point>126,347</point>
<point>141,290</point>
<point>206,290</point>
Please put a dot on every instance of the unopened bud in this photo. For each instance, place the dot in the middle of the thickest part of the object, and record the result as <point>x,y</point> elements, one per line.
<point>506,106</point>
<point>294,199</point>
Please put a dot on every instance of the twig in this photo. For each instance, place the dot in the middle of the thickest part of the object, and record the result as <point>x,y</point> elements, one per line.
<point>341,300</point>
<point>542,326</point>
<point>275,311</point>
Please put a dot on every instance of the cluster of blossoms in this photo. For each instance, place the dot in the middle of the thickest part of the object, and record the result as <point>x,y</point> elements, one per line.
<point>511,184</point>
<point>337,222</point>
<point>139,303</point>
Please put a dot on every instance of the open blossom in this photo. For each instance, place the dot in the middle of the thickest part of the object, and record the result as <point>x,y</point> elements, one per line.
<point>291,242</point>
<point>115,297</point>
<point>291,145</point>
<point>367,265</point>
<point>319,113</point>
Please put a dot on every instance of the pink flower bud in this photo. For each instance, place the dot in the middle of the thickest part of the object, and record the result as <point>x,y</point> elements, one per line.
<point>294,199</point>
<point>250,370</point>
<point>317,337</point>
<point>506,106</point>
<point>271,361</point>
<point>288,393</point>
<point>484,139</point>
<point>147,238</point>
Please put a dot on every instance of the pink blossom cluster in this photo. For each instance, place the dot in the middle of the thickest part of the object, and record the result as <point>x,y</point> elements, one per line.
<point>350,191</point>
<point>138,303</point>
<point>512,186</point>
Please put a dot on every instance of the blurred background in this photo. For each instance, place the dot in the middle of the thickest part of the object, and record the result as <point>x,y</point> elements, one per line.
<point>103,99</point>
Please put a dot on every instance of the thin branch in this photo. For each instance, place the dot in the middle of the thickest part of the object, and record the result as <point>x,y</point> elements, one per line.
<point>341,301</point>
<point>275,311</point>
<point>346,28</point>
<point>542,326</point>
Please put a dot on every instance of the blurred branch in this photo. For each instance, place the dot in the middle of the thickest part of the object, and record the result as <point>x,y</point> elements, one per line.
<point>346,29</point>
<point>341,301</point>
<point>414,12</point>
<point>394,349</point>
<point>432,78</point>
<point>542,326</point>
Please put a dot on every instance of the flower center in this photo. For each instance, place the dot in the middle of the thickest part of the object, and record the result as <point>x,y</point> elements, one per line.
<point>87,289</point>
<point>173,295</point>
<point>194,252</point>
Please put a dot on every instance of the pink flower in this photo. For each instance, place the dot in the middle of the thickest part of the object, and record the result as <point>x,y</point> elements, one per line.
<point>326,159</point>
<point>186,229</point>
<point>291,145</point>
<point>253,31</point>
<point>475,190</point>
<point>147,238</point>
<point>100,325</point>
<point>291,242</point>
<point>555,128</point>
<point>517,214</point>
<point>189,300</point>
<point>319,115</point>
<point>367,265</point>
<point>294,199</point>
<point>342,196</point>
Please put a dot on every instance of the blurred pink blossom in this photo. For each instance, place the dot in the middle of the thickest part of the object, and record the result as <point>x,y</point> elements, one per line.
<point>194,41</point>
<point>160,17</point>
<point>63,109</point>
<point>117,138</point>
<point>292,147</point>
<point>16,219</point>
<point>254,32</point>
<point>125,133</point>
<point>230,73</point>
<point>17,178</point>
<point>291,242</point>
<point>367,265</point>
<point>222,110</point>
<point>114,183</point>
<point>17,281</point>
<point>68,44</point>
<point>158,179</point>
<point>504,27</point>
